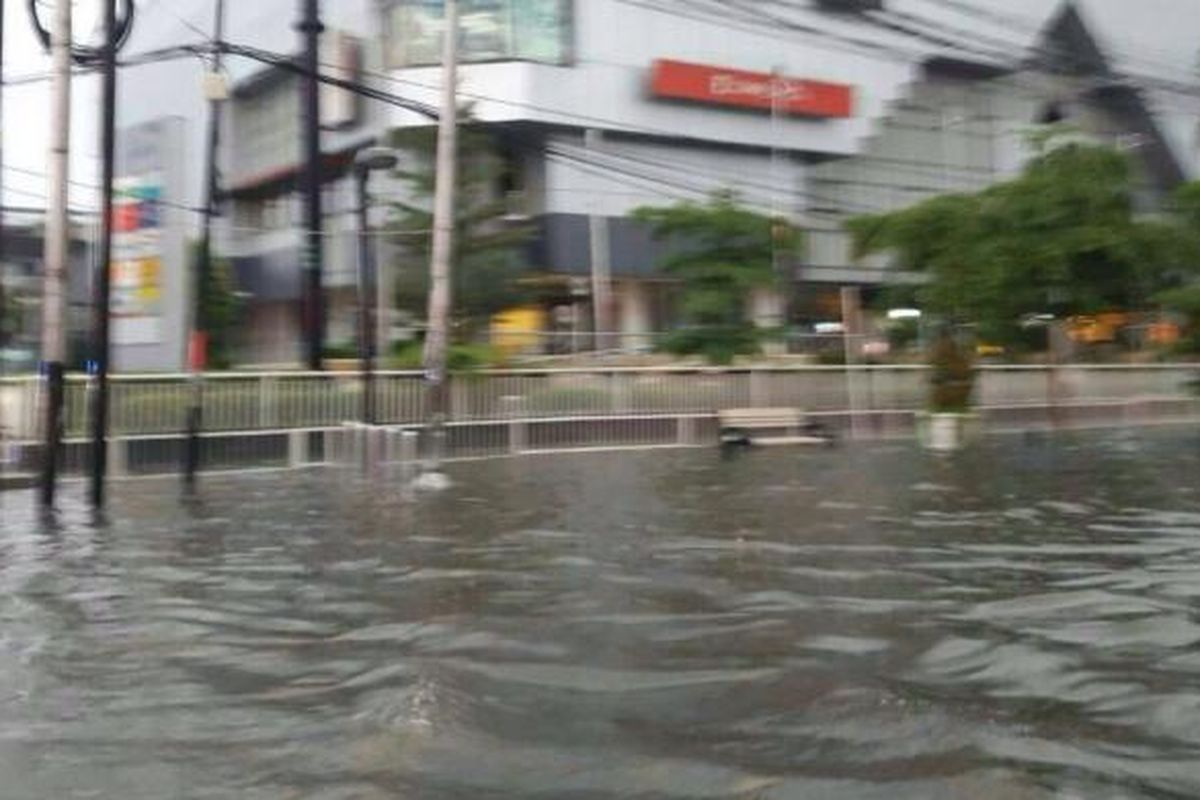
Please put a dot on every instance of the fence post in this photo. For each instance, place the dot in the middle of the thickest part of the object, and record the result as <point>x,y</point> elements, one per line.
<point>118,458</point>
<point>685,428</point>
<point>298,449</point>
<point>518,428</point>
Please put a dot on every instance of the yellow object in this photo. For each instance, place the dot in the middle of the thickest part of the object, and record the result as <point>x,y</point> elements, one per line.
<point>1165,333</point>
<point>518,329</point>
<point>989,350</point>
<point>1098,329</point>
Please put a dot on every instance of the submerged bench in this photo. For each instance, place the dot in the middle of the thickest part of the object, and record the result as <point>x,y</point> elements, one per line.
<point>770,426</point>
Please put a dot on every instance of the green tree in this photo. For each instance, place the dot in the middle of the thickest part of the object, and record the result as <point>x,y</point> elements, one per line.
<point>10,316</point>
<point>1062,238</point>
<point>722,251</point>
<point>221,308</point>
<point>489,260</point>
<point>1185,301</point>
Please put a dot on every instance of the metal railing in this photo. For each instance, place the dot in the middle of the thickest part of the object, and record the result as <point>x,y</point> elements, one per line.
<point>156,405</point>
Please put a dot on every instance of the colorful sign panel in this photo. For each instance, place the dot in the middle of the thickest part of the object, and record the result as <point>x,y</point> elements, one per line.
<point>137,265</point>
<point>760,91</point>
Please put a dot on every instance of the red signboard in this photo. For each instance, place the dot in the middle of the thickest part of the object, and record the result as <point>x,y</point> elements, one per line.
<point>678,80</point>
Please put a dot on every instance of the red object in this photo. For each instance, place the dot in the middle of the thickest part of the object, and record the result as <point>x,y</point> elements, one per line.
<point>126,218</point>
<point>679,80</point>
<point>198,350</point>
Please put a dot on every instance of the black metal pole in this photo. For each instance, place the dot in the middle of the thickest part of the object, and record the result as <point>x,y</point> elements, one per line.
<point>366,301</point>
<point>102,279</point>
<point>198,346</point>
<point>314,301</point>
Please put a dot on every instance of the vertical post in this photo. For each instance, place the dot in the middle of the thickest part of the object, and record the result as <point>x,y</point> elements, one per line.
<point>437,338</point>
<point>600,256</point>
<point>3,269</point>
<point>314,300</point>
<point>54,344</point>
<point>102,278</point>
<point>366,301</point>
<point>198,344</point>
<point>851,325</point>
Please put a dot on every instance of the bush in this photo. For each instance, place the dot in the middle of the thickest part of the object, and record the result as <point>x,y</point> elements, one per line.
<point>461,358</point>
<point>342,350</point>
<point>717,344</point>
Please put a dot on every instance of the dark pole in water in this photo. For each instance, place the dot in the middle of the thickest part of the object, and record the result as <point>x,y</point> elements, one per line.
<point>102,278</point>
<point>198,346</point>
<point>311,182</point>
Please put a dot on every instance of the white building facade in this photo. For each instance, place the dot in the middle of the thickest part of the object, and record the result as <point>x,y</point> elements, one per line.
<point>604,106</point>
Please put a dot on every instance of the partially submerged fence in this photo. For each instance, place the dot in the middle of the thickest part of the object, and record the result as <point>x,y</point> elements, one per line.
<point>283,417</point>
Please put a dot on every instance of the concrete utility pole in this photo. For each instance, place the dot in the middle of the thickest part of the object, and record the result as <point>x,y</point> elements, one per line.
<point>57,251</point>
<point>314,297</point>
<point>600,256</point>
<point>3,271</point>
<point>102,285</point>
<point>198,344</point>
<point>437,338</point>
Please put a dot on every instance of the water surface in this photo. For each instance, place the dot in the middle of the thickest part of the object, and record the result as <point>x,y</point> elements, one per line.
<point>870,622</point>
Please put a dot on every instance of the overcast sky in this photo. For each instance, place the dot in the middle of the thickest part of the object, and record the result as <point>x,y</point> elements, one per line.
<point>1160,36</point>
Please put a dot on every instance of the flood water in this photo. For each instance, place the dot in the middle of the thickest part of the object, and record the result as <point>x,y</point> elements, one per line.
<point>868,622</point>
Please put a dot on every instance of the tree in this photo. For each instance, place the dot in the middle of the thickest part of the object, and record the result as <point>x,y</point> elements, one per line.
<point>10,316</point>
<point>1063,238</point>
<point>488,265</point>
<point>221,308</point>
<point>723,252</point>
<point>1185,300</point>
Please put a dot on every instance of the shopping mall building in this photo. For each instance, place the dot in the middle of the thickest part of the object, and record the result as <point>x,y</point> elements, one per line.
<point>602,106</point>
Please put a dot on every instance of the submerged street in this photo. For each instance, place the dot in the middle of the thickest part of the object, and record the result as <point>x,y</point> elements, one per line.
<point>873,621</point>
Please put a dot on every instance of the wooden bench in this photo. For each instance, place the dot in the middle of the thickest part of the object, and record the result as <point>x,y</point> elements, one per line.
<point>769,426</point>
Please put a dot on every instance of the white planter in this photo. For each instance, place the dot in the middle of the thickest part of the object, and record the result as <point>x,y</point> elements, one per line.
<point>947,432</point>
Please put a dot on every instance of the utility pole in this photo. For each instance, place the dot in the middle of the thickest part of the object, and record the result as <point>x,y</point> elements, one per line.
<point>3,269</point>
<point>437,338</point>
<point>599,254</point>
<point>102,279</point>
<point>57,251</point>
<point>198,344</point>
<point>314,300</point>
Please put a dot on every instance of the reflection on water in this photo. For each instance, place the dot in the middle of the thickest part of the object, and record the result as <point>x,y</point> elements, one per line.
<point>873,622</point>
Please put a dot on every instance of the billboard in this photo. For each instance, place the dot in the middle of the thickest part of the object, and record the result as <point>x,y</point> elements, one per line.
<point>151,281</point>
<point>137,264</point>
<point>760,91</point>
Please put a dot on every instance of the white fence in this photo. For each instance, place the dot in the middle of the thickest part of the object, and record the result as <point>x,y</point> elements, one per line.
<point>156,405</point>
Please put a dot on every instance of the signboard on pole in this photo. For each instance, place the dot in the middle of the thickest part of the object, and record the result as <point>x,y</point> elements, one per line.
<point>149,268</point>
<point>137,265</point>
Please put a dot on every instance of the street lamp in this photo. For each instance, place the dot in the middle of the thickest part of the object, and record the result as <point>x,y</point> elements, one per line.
<point>371,159</point>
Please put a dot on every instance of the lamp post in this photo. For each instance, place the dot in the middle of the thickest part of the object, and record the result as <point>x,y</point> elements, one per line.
<point>372,159</point>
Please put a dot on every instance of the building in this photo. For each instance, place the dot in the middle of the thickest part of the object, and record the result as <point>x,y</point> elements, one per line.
<point>817,113</point>
<point>21,289</point>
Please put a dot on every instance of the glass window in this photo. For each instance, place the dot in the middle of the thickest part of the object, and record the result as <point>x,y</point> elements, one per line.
<point>491,30</point>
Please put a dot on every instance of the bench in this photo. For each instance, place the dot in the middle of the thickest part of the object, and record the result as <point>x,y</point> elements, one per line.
<point>769,426</point>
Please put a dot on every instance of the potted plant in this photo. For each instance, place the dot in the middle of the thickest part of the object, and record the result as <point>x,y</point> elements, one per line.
<point>949,423</point>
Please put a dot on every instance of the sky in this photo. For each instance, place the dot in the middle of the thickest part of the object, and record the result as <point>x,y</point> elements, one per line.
<point>1158,36</point>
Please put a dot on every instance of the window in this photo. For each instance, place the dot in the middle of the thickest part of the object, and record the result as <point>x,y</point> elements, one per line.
<point>491,30</point>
